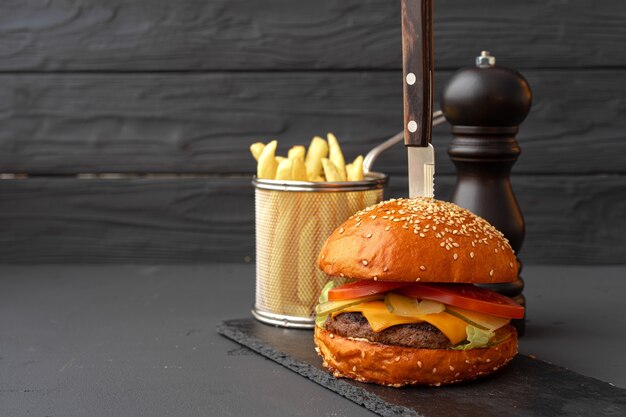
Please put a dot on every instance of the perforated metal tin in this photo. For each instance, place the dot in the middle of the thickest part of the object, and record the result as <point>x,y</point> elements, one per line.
<point>293,219</point>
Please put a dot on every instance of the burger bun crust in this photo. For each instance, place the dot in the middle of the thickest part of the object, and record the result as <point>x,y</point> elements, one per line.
<point>396,366</point>
<point>420,239</point>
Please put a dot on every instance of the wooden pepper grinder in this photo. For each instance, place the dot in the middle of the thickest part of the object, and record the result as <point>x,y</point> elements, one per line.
<point>485,106</point>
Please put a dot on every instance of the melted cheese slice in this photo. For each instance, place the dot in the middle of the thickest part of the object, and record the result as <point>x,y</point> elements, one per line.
<point>380,318</point>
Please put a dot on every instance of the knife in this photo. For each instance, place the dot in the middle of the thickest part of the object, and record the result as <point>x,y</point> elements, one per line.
<point>417,71</point>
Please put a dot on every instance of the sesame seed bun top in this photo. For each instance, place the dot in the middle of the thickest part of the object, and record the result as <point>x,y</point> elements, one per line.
<point>420,239</point>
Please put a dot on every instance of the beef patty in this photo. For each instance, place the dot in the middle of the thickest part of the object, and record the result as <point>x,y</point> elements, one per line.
<point>415,335</point>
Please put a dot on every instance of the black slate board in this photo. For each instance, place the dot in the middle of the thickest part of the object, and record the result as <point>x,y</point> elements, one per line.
<point>528,387</point>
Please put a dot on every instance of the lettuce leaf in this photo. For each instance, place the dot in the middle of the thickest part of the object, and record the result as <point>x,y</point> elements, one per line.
<point>324,295</point>
<point>320,320</point>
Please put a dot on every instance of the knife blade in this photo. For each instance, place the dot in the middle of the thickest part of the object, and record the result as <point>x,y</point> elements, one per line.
<point>421,171</point>
<point>417,67</point>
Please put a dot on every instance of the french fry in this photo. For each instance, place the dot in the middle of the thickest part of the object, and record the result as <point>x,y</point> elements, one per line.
<point>283,172</point>
<point>266,167</point>
<point>333,170</point>
<point>297,152</point>
<point>336,156</point>
<point>307,255</point>
<point>356,169</point>
<point>356,174</point>
<point>318,149</point>
<point>284,238</point>
<point>298,169</point>
<point>256,149</point>
<point>330,171</point>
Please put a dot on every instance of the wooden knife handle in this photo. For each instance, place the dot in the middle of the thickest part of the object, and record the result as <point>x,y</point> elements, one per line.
<point>417,70</point>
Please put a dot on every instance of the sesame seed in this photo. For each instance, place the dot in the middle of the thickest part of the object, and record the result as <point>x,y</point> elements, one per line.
<point>511,265</point>
<point>496,250</point>
<point>323,256</point>
<point>358,224</point>
<point>488,360</point>
<point>491,273</point>
<point>354,369</point>
<point>341,230</point>
<point>375,278</point>
<point>442,244</point>
<point>457,374</point>
<point>419,363</point>
<point>341,274</point>
<point>364,262</point>
<point>385,269</point>
<point>396,220</point>
<point>467,361</point>
<point>422,267</point>
<point>332,336</point>
<point>418,279</point>
<point>434,370</point>
<point>495,368</point>
<point>456,245</point>
<point>471,254</point>
<point>387,228</point>
<point>369,235</point>
<point>452,368</point>
<point>422,235</point>
<point>373,217</point>
<point>455,256</point>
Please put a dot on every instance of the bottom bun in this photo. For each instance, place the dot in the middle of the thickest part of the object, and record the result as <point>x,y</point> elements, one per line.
<point>396,366</point>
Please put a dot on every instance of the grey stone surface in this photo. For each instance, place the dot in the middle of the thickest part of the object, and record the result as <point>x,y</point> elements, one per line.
<point>526,387</point>
<point>141,340</point>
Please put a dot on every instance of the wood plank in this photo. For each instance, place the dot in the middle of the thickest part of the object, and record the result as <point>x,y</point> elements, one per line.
<point>570,219</point>
<point>139,35</point>
<point>68,124</point>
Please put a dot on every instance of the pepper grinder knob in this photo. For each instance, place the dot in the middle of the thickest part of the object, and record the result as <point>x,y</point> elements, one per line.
<point>485,105</point>
<point>486,96</point>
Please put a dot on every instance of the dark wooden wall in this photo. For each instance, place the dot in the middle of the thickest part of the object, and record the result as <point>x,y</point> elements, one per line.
<point>124,125</point>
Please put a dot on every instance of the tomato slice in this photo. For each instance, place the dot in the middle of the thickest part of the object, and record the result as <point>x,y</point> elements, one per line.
<point>466,296</point>
<point>362,289</point>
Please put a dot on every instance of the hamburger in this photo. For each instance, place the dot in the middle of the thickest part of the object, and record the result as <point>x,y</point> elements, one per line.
<point>411,314</point>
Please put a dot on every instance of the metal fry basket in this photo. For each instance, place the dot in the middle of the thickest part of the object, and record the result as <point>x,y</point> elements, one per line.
<point>293,219</point>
